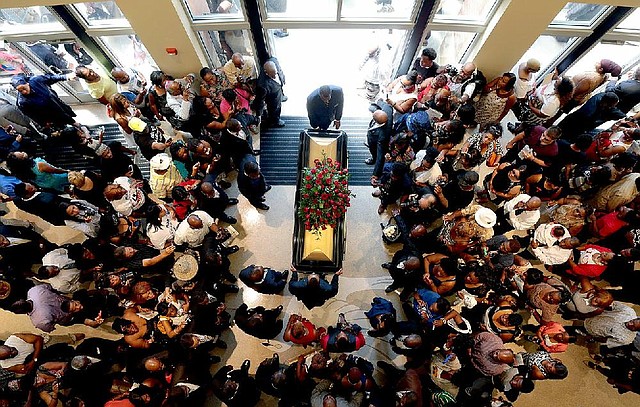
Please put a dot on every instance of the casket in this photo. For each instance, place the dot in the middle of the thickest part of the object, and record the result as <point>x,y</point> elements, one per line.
<point>323,253</point>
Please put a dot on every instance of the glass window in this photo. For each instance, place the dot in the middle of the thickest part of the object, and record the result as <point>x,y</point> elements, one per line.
<point>379,9</point>
<point>28,20</point>
<point>220,45</point>
<point>450,45</point>
<point>101,13</point>
<point>130,53</point>
<point>579,14</point>
<point>467,10</point>
<point>632,22</point>
<point>11,61</point>
<point>62,57</point>
<point>24,64</point>
<point>220,9</point>
<point>305,9</point>
<point>623,53</point>
<point>547,49</point>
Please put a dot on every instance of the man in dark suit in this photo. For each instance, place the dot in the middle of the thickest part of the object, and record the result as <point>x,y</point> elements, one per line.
<point>269,93</point>
<point>628,91</point>
<point>44,204</point>
<point>313,290</point>
<point>259,322</point>
<point>324,106</point>
<point>252,184</point>
<point>378,135</point>
<point>264,279</point>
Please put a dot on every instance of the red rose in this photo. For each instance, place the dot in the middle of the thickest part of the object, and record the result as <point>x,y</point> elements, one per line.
<point>307,186</point>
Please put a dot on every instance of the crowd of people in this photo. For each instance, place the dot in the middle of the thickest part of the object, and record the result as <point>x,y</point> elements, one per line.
<point>156,264</point>
<point>538,250</point>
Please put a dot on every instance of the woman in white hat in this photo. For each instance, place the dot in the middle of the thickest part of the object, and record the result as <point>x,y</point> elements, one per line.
<point>466,227</point>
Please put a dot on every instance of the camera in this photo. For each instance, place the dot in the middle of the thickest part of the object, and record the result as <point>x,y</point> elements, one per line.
<point>441,182</point>
<point>451,70</point>
<point>413,201</point>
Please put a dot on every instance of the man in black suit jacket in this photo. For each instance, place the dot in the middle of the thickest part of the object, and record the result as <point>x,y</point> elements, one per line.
<point>313,290</point>
<point>324,107</point>
<point>269,93</point>
<point>41,203</point>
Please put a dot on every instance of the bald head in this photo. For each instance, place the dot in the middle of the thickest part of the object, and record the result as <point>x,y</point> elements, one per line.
<point>194,221</point>
<point>380,116</point>
<point>412,263</point>
<point>413,341</point>
<point>173,87</point>
<point>206,188</point>
<point>469,67</point>
<point>237,60</point>
<point>153,364</point>
<point>533,203</point>
<point>270,69</point>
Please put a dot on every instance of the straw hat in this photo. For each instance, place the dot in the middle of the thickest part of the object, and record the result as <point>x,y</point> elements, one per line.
<point>185,268</point>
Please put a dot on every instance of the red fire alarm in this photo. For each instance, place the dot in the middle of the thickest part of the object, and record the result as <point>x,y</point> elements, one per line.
<point>172,51</point>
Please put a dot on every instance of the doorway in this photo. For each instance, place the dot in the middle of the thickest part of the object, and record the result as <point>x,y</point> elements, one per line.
<point>311,58</point>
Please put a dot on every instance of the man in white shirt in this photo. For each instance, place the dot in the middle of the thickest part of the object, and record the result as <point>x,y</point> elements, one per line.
<point>178,99</point>
<point>552,244</point>
<point>125,195</point>
<point>17,348</point>
<point>60,271</point>
<point>240,69</point>
<point>519,213</point>
<point>617,326</point>
<point>130,83</point>
<point>194,229</point>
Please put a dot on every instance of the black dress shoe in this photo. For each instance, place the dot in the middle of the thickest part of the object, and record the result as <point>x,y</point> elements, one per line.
<point>279,309</point>
<point>262,206</point>
<point>230,288</point>
<point>369,161</point>
<point>262,199</point>
<point>229,277</point>
<point>256,152</point>
<point>390,288</point>
<point>221,344</point>
<point>213,359</point>
<point>267,188</point>
<point>285,275</point>
<point>232,201</point>
<point>229,219</point>
<point>231,249</point>
<point>245,366</point>
<point>386,265</point>
<point>224,184</point>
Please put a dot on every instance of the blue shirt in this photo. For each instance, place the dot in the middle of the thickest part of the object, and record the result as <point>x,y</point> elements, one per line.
<point>430,298</point>
<point>8,184</point>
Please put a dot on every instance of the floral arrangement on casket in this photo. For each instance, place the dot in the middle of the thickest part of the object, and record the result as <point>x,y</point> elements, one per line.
<point>324,195</point>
